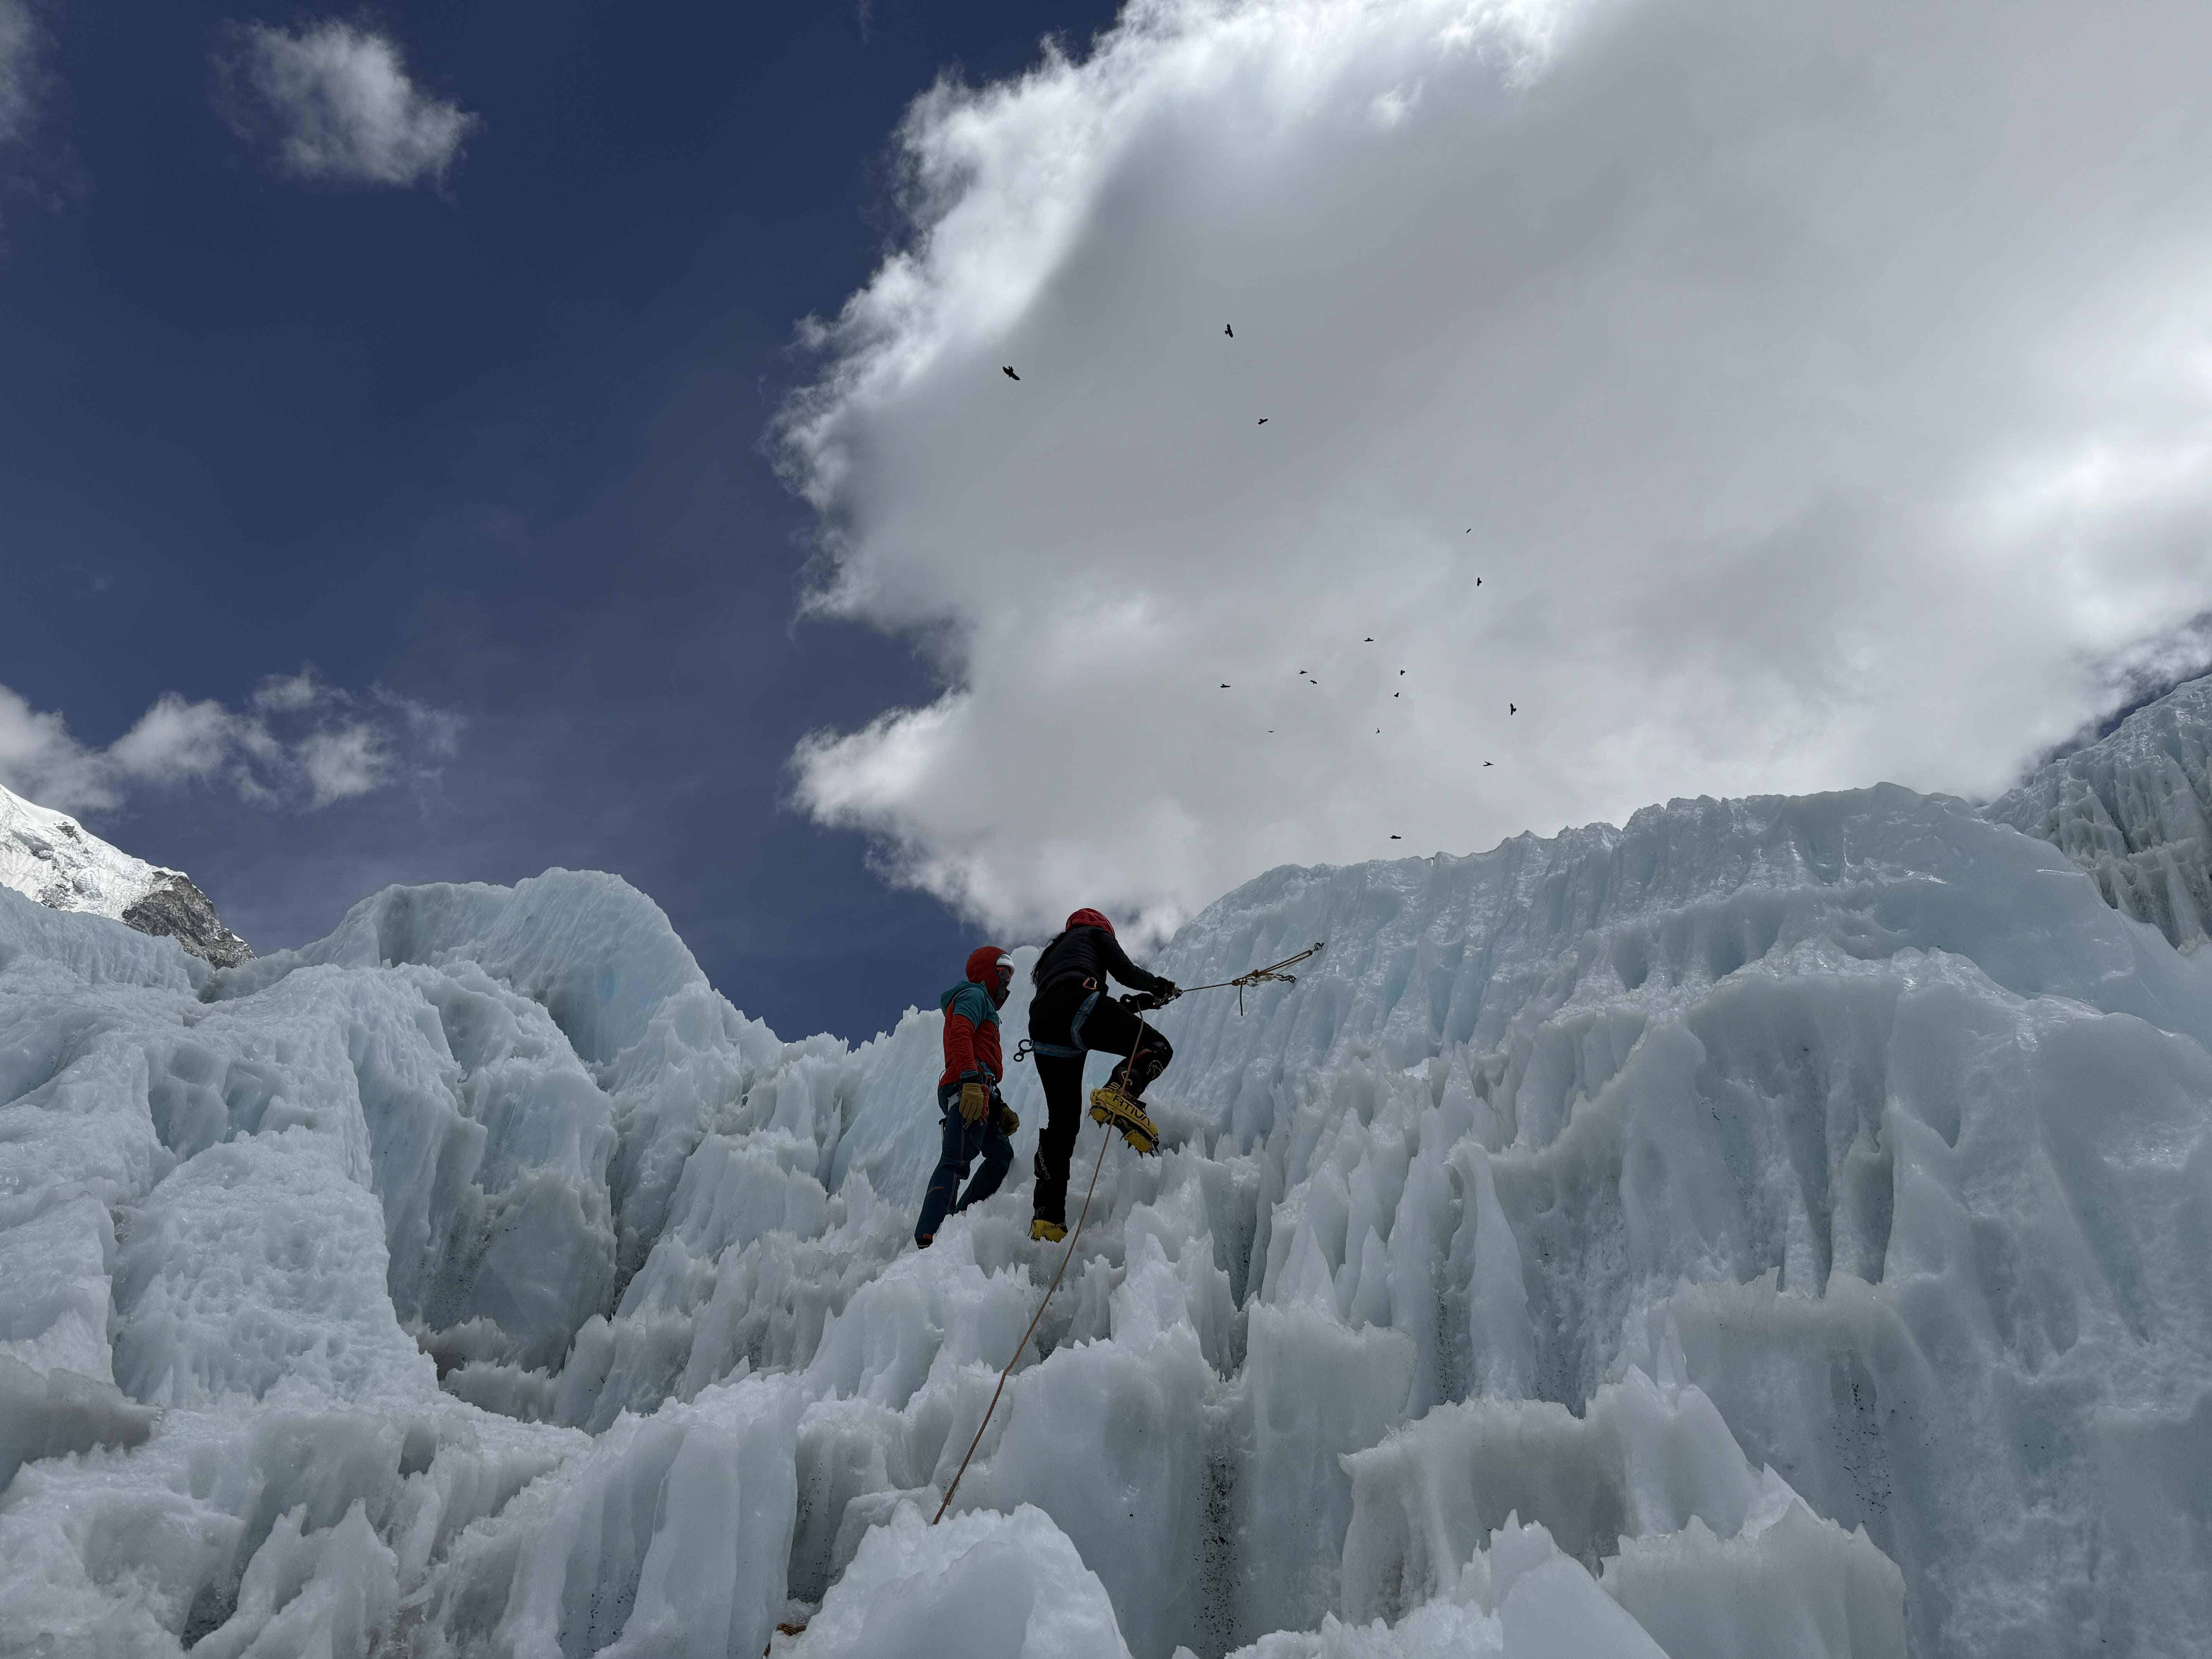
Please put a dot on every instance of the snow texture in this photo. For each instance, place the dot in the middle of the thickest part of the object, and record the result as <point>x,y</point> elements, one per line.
<point>51,857</point>
<point>1774,1227</point>
<point>2136,811</point>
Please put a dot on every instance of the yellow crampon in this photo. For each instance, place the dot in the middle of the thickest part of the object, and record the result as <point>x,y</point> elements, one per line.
<point>1047,1232</point>
<point>1116,1110</point>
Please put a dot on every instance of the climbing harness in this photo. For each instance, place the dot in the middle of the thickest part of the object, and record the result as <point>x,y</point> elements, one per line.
<point>1073,1049</point>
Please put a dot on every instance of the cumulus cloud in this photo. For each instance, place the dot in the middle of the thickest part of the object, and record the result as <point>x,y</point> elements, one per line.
<point>332,102</point>
<point>298,742</point>
<point>1823,393</point>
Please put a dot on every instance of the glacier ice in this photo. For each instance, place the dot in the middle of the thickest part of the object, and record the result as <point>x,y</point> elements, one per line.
<point>1769,1227</point>
<point>981,1585</point>
<point>2136,811</point>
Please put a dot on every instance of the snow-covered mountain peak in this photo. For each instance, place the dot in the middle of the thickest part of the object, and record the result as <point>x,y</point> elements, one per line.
<point>49,856</point>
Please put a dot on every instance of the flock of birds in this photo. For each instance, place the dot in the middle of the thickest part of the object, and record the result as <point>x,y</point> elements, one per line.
<point>1007,369</point>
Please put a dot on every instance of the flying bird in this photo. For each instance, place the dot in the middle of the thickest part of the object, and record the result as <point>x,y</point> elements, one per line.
<point>1478,581</point>
<point>1230,331</point>
<point>1370,640</point>
<point>1263,420</point>
<point>1007,369</point>
<point>1224,685</point>
<point>1486,762</point>
<point>1397,694</point>
<point>1511,710</point>
<point>1402,673</point>
<point>1397,838</point>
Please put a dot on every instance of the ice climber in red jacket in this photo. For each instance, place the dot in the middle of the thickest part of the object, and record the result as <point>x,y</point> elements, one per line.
<point>976,1119</point>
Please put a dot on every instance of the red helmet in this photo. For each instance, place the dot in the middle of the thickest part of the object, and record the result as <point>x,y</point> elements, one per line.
<point>1090,919</point>
<point>992,969</point>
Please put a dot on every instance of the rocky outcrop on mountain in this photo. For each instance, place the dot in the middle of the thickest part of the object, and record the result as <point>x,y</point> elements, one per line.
<point>49,856</point>
<point>176,908</point>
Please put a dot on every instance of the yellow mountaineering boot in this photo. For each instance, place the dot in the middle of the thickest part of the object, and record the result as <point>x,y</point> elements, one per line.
<point>1117,1109</point>
<point>1047,1232</point>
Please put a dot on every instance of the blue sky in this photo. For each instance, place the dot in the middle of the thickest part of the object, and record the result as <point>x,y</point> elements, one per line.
<point>495,448</point>
<point>446,442</point>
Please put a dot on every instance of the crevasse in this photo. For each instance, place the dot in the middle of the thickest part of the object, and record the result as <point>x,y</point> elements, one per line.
<point>1772,1227</point>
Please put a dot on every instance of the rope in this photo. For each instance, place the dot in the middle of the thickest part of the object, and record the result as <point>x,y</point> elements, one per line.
<point>1076,1232</point>
<point>1273,973</point>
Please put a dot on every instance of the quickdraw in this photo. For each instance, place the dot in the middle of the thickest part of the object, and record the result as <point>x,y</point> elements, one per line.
<point>1272,974</point>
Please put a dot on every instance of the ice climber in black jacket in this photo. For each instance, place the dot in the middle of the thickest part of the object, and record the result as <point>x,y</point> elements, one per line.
<point>1069,1014</point>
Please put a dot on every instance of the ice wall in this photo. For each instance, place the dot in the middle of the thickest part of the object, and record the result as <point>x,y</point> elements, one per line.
<point>1774,1227</point>
<point>2133,810</point>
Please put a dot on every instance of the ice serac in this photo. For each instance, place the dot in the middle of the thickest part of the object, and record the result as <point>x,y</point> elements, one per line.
<point>1771,1227</point>
<point>51,857</point>
<point>2134,809</point>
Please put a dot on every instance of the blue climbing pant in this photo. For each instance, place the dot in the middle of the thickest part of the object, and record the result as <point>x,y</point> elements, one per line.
<point>962,1140</point>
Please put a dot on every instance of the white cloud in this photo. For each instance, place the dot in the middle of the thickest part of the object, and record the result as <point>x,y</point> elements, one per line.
<point>40,760</point>
<point>350,761</point>
<point>287,692</point>
<point>174,740</point>
<point>1828,392</point>
<point>22,46</point>
<point>298,742</point>
<point>334,104</point>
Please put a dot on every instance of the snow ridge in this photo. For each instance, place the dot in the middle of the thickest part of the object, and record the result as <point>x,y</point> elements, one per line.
<point>1774,1226</point>
<point>49,856</point>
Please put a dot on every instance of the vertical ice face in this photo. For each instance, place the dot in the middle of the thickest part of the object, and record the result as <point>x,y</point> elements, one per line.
<point>2132,809</point>
<point>1775,1227</point>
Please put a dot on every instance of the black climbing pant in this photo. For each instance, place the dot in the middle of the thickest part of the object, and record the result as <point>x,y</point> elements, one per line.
<point>1067,1019</point>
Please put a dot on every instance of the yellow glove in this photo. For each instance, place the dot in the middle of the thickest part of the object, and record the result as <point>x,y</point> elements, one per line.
<point>974,1100</point>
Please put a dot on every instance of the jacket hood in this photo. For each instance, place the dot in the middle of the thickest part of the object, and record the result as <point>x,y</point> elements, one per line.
<point>984,1012</point>
<point>983,969</point>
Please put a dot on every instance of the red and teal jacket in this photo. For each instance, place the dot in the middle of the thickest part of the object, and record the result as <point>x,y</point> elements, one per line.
<point>971,1023</point>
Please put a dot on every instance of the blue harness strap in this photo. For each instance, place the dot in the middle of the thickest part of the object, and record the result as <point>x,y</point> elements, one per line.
<point>1061,1051</point>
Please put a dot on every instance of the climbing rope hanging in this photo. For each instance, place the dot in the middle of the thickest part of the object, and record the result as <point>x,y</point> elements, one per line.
<point>1074,1233</point>
<point>1272,974</point>
<point>1067,1255</point>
